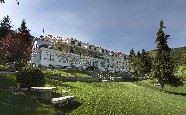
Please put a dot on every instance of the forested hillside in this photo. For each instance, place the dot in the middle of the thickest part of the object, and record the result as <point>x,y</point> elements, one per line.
<point>178,54</point>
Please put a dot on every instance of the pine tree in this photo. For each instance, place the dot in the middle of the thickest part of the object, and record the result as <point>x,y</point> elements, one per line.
<point>138,63</point>
<point>163,69</point>
<point>5,29</point>
<point>23,28</point>
<point>132,61</point>
<point>5,26</point>
<point>145,63</point>
<point>24,41</point>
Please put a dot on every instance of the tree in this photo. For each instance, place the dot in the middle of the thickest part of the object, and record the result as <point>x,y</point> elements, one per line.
<point>138,63</point>
<point>5,29</point>
<point>5,26</point>
<point>163,69</point>
<point>132,61</point>
<point>24,44</point>
<point>17,46</point>
<point>145,63</point>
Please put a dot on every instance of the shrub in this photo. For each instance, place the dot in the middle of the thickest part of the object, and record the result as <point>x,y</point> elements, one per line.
<point>181,73</point>
<point>4,68</point>
<point>30,77</point>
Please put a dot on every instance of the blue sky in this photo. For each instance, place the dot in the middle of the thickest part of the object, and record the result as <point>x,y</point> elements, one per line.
<point>118,25</point>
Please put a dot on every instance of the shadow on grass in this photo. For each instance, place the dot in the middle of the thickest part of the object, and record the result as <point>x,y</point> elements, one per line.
<point>175,93</point>
<point>19,105</point>
<point>7,80</point>
<point>68,107</point>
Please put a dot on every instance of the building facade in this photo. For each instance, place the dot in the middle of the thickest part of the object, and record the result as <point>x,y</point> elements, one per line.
<point>45,54</point>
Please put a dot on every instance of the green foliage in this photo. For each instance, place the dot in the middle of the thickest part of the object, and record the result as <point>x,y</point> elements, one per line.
<point>139,64</point>
<point>15,46</point>
<point>132,61</point>
<point>146,63</point>
<point>178,55</point>
<point>4,68</point>
<point>30,77</point>
<point>163,68</point>
<point>5,26</point>
<point>181,72</point>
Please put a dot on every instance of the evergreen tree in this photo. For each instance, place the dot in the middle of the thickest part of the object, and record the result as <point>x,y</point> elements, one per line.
<point>163,69</point>
<point>138,63</point>
<point>24,41</point>
<point>145,62</point>
<point>5,29</point>
<point>23,28</point>
<point>5,26</point>
<point>132,61</point>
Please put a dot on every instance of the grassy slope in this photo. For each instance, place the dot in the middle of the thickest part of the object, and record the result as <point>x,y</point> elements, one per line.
<point>100,98</point>
<point>121,98</point>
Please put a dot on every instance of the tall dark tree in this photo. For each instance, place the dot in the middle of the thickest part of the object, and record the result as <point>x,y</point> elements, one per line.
<point>132,61</point>
<point>23,28</point>
<point>5,29</point>
<point>24,41</point>
<point>145,62</point>
<point>163,69</point>
<point>138,63</point>
<point>5,26</point>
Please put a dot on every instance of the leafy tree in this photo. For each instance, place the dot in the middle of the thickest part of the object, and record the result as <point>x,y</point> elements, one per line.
<point>17,47</point>
<point>163,69</point>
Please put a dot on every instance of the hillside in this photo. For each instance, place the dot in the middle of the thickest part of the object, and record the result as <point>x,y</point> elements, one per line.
<point>178,54</point>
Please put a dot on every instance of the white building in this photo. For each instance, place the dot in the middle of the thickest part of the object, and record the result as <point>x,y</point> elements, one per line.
<point>48,56</point>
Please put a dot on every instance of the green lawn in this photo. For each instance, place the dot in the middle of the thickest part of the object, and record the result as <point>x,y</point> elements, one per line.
<point>125,98</point>
<point>67,73</point>
<point>139,98</point>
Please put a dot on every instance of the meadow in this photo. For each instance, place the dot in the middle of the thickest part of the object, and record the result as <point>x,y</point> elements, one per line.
<point>114,98</point>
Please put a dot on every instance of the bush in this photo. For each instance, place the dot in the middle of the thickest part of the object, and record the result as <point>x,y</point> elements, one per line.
<point>4,68</point>
<point>181,73</point>
<point>30,77</point>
